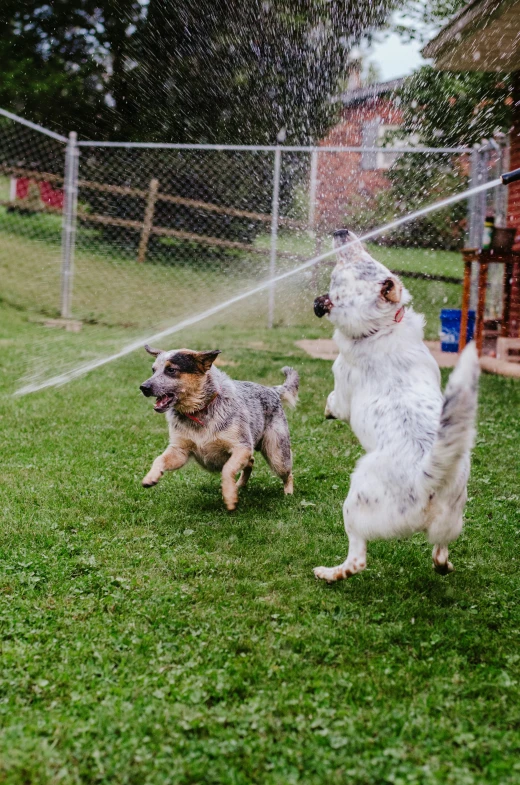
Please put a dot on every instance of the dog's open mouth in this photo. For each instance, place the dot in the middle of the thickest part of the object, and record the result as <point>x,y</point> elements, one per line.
<point>163,403</point>
<point>322,305</point>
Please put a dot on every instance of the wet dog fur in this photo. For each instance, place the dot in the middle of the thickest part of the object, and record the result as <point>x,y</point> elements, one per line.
<point>218,421</point>
<point>387,386</point>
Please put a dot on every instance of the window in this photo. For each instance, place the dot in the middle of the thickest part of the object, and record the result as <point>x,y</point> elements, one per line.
<point>375,134</point>
<point>387,160</point>
<point>369,139</point>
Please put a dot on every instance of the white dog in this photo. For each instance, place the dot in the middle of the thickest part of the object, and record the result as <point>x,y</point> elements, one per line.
<point>387,386</point>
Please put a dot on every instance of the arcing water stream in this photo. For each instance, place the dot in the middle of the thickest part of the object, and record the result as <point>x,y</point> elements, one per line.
<point>80,370</point>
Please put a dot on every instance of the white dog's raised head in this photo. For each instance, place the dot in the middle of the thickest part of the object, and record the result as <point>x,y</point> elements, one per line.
<point>364,296</point>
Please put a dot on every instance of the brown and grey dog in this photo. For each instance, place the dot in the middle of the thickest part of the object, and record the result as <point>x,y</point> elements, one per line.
<point>218,421</point>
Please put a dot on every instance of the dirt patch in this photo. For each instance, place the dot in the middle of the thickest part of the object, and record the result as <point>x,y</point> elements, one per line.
<point>326,349</point>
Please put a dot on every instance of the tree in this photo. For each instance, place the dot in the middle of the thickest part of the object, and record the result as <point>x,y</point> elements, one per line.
<point>426,17</point>
<point>183,71</point>
<point>440,110</point>
<point>63,63</point>
<point>449,109</point>
<point>178,69</point>
<point>242,71</point>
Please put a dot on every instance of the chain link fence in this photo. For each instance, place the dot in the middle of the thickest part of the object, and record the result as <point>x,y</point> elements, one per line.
<point>139,236</point>
<point>31,210</point>
<point>161,232</point>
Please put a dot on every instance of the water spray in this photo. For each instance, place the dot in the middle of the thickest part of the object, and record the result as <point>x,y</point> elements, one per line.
<point>506,179</point>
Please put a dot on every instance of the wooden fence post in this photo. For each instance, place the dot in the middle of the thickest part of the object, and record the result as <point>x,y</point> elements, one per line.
<point>468,256</point>
<point>148,219</point>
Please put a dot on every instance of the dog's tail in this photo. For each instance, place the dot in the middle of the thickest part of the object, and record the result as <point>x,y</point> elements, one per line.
<point>288,391</point>
<point>457,423</point>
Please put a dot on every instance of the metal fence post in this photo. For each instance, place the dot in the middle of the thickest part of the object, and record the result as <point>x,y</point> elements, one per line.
<point>68,237</point>
<point>475,221</point>
<point>274,230</point>
<point>471,232</point>
<point>477,210</point>
<point>313,190</point>
<point>501,193</point>
<point>495,271</point>
<point>313,187</point>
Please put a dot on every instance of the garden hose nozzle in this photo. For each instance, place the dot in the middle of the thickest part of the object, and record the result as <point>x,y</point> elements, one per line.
<point>510,177</point>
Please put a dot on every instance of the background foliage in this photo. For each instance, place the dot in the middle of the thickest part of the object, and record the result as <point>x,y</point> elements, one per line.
<point>180,71</point>
<point>440,109</point>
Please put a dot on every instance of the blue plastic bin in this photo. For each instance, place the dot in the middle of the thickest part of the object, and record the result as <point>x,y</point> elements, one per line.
<point>450,328</point>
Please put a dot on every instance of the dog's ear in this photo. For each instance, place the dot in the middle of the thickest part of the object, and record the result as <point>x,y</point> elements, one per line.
<point>205,360</point>
<point>391,290</point>
<point>153,352</point>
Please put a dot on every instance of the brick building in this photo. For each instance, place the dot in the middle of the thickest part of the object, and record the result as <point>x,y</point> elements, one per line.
<point>483,36</point>
<point>354,178</point>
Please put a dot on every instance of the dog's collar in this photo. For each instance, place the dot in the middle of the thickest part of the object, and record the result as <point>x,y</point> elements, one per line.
<point>194,415</point>
<point>397,318</point>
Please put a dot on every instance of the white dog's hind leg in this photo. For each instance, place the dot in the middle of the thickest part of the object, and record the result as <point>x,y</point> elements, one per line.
<point>441,563</point>
<point>442,531</point>
<point>356,561</point>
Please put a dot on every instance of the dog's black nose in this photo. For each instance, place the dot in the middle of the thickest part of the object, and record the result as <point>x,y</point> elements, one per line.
<point>322,305</point>
<point>341,236</point>
<point>146,389</point>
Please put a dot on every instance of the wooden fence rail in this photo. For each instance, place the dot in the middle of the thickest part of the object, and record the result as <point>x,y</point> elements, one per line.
<point>15,171</point>
<point>163,231</point>
<point>151,196</point>
<point>146,226</point>
<point>194,203</point>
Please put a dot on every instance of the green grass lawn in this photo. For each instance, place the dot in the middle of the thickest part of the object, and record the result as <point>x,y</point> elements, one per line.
<point>111,289</point>
<point>109,286</point>
<point>150,637</point>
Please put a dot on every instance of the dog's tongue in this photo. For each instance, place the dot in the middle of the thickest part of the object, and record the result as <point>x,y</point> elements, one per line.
<point>162,402</point>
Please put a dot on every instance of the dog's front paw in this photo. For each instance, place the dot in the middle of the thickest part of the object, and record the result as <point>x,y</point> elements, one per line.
<point>230,495</point>
<point>231,498</point>
<point>150,480</point>
<point>324,574</point>
<point>330,574</point>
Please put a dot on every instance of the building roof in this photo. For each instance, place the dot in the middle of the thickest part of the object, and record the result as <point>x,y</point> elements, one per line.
<point>482,36</point>
<point>360,94</point>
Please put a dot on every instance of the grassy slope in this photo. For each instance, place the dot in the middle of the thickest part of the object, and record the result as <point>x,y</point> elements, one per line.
<point>109,285</point>
<point>111,288</point>
<point>149,637</point>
